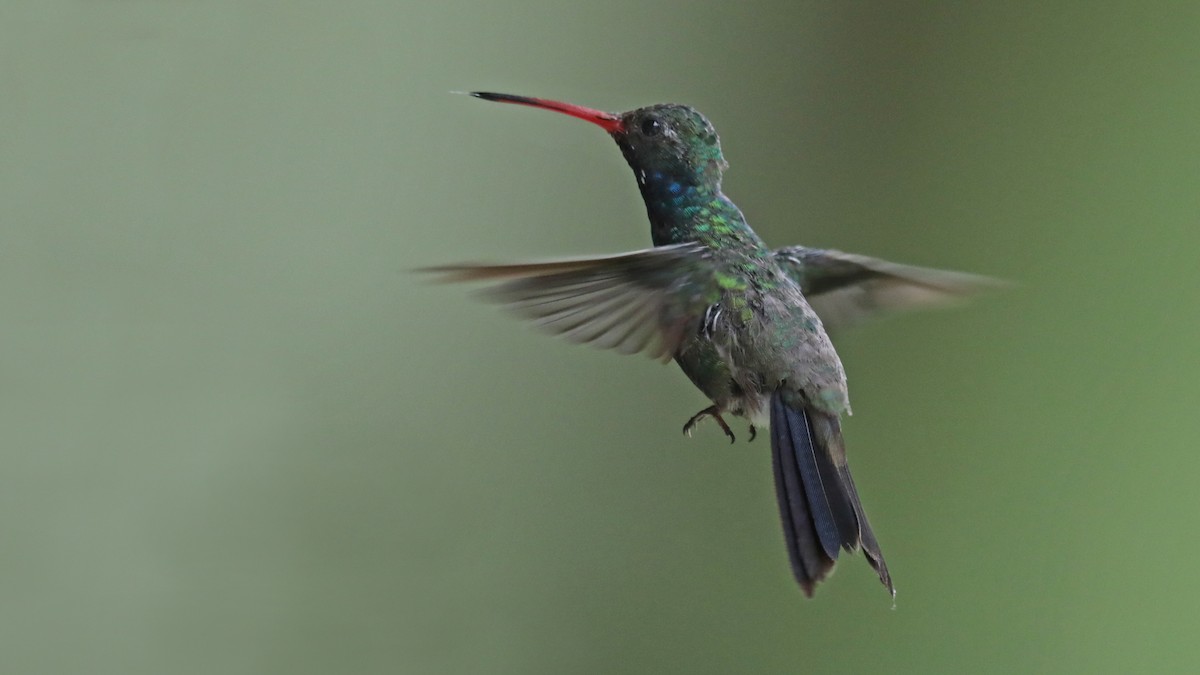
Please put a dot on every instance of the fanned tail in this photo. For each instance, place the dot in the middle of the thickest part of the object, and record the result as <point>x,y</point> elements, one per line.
<point>818,503</point>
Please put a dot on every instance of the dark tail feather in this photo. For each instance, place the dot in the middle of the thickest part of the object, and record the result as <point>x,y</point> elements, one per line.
<point>810,562</point>
<point>867,540</point>
<point>818,502</point>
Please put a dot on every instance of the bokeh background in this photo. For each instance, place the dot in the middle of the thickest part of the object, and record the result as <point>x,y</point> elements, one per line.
<point>239,435</point>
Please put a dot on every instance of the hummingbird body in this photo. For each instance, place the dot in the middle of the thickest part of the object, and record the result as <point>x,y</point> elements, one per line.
<point>732,313</point>
<point>760,330</point>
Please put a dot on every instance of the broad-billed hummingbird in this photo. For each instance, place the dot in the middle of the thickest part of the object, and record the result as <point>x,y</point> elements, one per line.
<point>747,324</point>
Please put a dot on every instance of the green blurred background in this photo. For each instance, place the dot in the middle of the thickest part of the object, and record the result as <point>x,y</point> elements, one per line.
<point>237,435</point>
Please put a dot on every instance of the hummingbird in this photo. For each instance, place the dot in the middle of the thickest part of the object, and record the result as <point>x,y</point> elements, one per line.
<point>747,324</point>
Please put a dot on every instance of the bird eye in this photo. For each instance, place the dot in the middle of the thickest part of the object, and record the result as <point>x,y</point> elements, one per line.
<point>650,126</point>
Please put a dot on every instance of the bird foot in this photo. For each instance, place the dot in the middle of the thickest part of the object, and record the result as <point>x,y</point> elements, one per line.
<point>715,413</point>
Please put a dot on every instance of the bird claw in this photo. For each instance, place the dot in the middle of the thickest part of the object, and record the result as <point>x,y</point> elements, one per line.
<point>715,413</point>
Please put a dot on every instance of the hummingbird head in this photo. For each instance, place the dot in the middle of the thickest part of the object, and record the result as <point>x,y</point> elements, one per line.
<point>671,143</point>
<point>667,143</point>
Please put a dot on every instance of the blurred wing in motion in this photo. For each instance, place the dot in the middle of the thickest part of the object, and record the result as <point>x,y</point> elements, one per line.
<point>644,301</point>
<point>846,289</point>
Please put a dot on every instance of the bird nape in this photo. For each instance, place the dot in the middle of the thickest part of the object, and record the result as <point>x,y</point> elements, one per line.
<point>746,324</point>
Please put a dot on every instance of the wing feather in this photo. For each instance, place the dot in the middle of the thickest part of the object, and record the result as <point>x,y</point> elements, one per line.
<point>846,289</point>
<point>643,301</point>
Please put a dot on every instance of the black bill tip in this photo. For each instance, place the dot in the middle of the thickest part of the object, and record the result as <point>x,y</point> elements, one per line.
<point>503,98</point>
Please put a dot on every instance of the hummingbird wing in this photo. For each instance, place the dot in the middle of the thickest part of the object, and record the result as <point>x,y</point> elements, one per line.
<point>644,301</point>
<point>846,289</point>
